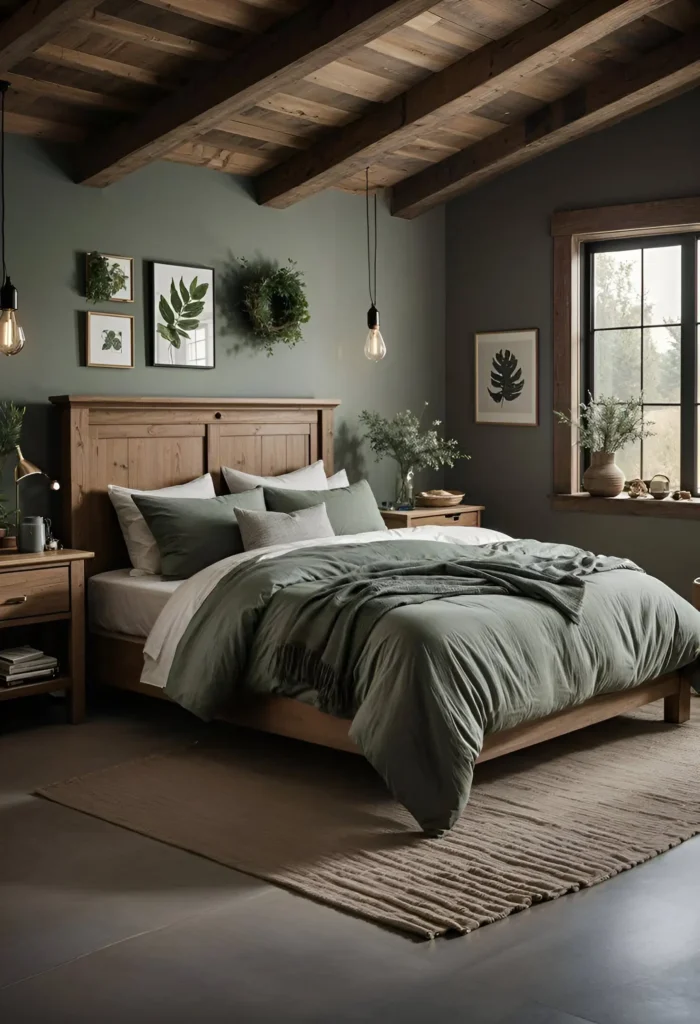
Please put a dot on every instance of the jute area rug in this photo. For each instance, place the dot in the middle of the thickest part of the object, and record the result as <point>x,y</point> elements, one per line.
<point>540,823</point>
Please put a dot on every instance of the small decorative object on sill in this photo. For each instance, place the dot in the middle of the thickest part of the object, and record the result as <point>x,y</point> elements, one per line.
<point>605,426</point>
<point>659,486</point>
<point>109,278</point>
<point>682,496</point>
<point>637,489</point>
<point>412,447</point>
<point>439,499</point>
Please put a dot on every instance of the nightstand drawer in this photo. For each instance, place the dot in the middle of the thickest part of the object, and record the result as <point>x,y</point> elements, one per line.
<point>449,519</point>
<point>34,592</point>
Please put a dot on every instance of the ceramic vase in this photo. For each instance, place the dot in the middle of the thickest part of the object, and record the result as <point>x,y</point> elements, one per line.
<point>603,479</point>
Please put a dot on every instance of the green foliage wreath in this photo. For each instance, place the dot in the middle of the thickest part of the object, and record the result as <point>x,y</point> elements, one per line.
<point>274,303</point>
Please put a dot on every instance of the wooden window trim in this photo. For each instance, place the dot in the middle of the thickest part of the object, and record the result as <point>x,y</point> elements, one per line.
<point>570,230</point>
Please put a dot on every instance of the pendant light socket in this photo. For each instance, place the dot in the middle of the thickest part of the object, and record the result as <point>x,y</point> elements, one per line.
<point>372,317</point>
<point>8,295</point>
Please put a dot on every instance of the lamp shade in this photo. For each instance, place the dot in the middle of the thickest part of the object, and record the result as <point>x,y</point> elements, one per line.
<point>24,467</point>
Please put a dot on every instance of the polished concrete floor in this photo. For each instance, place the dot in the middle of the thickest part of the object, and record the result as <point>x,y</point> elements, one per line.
<point>101,925</point>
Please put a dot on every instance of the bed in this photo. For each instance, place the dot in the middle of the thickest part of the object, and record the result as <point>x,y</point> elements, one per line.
<point>150,443</point>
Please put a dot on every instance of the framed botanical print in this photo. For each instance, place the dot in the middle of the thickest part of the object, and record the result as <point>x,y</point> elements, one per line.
<point>109,340</point>
<point>182,316</point>
<point>109,278</point>
<point>506,377</point>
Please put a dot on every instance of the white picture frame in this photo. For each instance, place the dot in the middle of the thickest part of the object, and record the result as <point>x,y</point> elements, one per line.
<point>126,263</point>
<point>177,341</point>
<point>506,377</point>
<point>109,340</point>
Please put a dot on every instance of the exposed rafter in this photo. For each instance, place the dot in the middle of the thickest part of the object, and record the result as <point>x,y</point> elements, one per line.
<point>34,23</point>
<point>289,51</point>
<point>462,87</point>
<point>649,80</point>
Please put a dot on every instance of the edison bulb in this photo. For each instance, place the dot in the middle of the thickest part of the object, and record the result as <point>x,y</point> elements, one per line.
<point>375,349</point>
<point>11,333</point>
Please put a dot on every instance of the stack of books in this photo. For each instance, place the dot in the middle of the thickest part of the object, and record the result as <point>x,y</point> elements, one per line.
<point>20,665</point>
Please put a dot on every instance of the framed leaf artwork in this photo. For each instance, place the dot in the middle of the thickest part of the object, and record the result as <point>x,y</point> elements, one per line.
<point>506,377</point>
<point>182,316</point>
<point>109,340</point>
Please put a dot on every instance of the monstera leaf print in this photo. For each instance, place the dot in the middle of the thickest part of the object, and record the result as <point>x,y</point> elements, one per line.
<point>112,339</point>
<point>506,377</point>
<point>181,314</point>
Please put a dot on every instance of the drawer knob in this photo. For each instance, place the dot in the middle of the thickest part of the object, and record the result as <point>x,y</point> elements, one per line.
<point>16,600</point>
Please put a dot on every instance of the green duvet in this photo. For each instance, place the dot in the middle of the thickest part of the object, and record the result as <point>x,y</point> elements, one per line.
<point>430,646</point>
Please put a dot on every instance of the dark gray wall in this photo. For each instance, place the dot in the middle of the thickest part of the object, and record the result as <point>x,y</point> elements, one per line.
<point>184,214</point>
<point>499,275</point>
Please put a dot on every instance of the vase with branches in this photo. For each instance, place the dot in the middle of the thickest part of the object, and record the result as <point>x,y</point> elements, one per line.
<point>413,447</point>
<point>605,426</point>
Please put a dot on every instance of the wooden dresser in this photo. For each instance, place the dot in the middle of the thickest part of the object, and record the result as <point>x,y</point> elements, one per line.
<point>455,515</point>
<point>42,603</point>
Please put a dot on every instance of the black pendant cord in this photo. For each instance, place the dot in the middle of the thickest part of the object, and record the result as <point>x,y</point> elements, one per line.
<point>3,90</point>
<point>371,265</point>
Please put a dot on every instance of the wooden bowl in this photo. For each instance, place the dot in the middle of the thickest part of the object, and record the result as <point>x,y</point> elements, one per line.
<point>439,500</point>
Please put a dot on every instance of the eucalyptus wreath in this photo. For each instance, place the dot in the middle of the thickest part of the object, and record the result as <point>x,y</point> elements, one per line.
<point>103,279</point>
<point>274,303</point>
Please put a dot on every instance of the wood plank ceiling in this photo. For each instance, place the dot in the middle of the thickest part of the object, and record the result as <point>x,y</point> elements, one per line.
<point>304,94</point>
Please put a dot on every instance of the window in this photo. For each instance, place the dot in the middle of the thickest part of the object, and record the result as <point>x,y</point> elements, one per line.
<point>640,333</point>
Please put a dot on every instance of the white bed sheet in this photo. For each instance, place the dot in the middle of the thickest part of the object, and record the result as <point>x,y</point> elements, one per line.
<point>120,603</point>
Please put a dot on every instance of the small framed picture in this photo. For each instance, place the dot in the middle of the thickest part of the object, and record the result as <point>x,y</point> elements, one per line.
<point>506,377</point>
<point>109,340</point>
<point>123,264</point>
<point>182,316</point>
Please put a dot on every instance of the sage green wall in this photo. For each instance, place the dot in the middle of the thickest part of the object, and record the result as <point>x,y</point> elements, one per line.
<point>178,213</point>
<point>499,275</point>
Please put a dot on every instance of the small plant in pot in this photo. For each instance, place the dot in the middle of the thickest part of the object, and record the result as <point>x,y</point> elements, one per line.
<point>605,426</point>
<point>404,439</point>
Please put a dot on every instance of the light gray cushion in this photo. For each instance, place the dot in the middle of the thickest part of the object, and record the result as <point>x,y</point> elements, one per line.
<point>192,533</point>
<point>263,529</point>
<point>350,509</point>
<point>303,479</point>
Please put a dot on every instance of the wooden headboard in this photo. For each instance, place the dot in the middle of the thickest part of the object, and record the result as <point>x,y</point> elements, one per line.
<point>155,442</point>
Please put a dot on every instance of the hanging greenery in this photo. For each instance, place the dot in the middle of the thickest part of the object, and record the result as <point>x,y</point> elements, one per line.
<point>103,279</point>
<point>274,303</point>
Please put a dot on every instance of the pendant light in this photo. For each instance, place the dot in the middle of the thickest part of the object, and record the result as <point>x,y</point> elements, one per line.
<point>375,349</point>
<point>11,334</point>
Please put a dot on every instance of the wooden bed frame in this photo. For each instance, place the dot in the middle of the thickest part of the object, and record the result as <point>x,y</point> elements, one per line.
<point>155,442</point>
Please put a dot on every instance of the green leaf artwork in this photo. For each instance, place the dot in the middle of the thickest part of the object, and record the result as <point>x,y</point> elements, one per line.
<point>181,314</point>
<point>506,377</point>
<point>112,339</point>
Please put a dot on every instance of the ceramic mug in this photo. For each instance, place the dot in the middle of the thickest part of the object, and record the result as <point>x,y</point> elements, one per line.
<point>32,535</point>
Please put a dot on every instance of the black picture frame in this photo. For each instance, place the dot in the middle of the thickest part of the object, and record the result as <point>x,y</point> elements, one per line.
<point>154,337</point>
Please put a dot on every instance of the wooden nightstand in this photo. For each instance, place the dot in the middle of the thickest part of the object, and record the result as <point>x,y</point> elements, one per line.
<point>44,596</point>
<point>455,515</point>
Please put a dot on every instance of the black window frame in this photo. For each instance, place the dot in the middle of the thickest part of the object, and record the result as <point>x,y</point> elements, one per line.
<point>690,318</point>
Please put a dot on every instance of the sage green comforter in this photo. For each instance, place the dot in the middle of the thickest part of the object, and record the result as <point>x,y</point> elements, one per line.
<point>430,646</point>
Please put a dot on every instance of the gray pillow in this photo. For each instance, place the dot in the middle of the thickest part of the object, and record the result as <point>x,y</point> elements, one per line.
<point>262,529</point>
<point>350,509</point>
<point>192,533</point>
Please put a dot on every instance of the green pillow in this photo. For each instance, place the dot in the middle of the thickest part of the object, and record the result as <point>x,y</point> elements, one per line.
<point>350,509</point>
<point>192,533</point>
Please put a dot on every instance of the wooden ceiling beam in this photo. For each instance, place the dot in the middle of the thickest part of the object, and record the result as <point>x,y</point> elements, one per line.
<point>651,79</point>
<point>286,53</point>
<point>463,87</point>
<point>34,23</point>
<point>152,38</point>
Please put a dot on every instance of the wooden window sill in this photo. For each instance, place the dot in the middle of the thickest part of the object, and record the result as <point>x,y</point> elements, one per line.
<point>626,506</point>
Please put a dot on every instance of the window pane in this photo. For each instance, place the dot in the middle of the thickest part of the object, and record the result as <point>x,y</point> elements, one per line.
<point>629,459</point>
<point>617,289</point>
<point>662,364</point>
<point>662,453</point>
<point>662,285</point>
<point>617,362</point>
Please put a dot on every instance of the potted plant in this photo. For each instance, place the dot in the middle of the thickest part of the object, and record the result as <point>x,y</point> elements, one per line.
<point>413,448</point>
<point>605,426</point>
<point>11,419</point>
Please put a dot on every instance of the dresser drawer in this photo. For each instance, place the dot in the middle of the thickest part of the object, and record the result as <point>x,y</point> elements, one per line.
<point>449,519</point>
<point>28,592</point>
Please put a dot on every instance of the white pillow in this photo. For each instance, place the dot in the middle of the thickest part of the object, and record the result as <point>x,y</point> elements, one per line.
<point>339,479</point>
<point>140,542</point>
<point>309,478</point>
